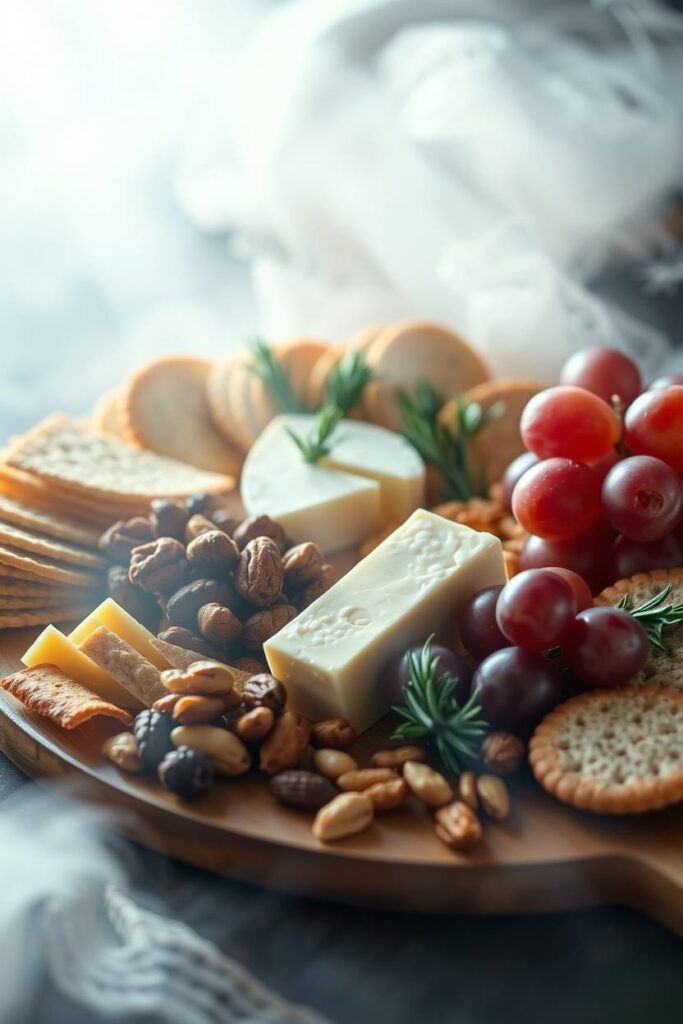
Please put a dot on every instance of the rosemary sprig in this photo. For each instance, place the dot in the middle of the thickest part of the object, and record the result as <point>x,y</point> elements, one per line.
<point>432,715</point>
<point>654,616</point>
<point>445,449</point>
<point>266,366</point>
<point>343,388</point>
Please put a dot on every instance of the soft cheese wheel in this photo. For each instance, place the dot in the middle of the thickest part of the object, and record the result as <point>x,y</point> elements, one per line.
<point>165,410</point>
<point>369,476</point>
<point>495,446</point>
<point>406,354</point>
<point>331,656</point>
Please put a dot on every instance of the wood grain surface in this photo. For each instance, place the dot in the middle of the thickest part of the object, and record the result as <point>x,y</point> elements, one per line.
<point>546,857</point>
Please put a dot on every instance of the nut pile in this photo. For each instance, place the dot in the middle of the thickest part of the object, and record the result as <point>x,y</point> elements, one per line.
<point>209,582</point>
<point>206,727</point>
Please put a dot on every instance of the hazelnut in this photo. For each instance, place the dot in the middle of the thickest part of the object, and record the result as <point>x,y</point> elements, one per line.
<point>502,752</point>
<point>160,565</point>
<point>168,518</point>
<point>183,606</point>
<point>218,624</point>
<point>259,526</point>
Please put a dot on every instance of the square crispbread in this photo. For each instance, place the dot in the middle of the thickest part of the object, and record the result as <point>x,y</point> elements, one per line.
<point>662,668</point>
<point>61,550</point>
<point>46,690</point>
<point>50,524</point>
<point>84,462</point>
<point>44,568</point>
<point>129,668</point>
<point>613,751</point>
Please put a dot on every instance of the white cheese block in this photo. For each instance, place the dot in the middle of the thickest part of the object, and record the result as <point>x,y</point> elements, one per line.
<point>330,657</point>
<point>370,476</point>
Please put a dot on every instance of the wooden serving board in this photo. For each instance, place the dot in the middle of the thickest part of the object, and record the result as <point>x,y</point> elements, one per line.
<point>546,857</point>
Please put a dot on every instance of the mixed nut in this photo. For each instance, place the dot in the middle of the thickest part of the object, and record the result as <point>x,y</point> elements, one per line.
<point>207,727</point>
<point>209,582</point>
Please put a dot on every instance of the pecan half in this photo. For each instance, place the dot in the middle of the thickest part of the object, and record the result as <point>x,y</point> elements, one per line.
<point>158,566</point>
<point>258,576</point>
<point>458,826</point>
<point>119,540</point>
<point>302,564</point>
<point>266,623</point>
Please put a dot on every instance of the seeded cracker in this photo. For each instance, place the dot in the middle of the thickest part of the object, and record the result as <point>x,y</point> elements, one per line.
<point>84,462</point>
<point>613,751</point>
<point>661,669</point>
<point>47,691</point>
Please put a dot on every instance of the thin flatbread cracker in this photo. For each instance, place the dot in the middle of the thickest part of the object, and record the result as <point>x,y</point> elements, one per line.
<point>11,586</point>
<point>82,461</point>
<point>12,603</point>
<point>43,616</point>
<point>50,524</point>
<point>180,658</point>
<point>61,550</point>
<point>47,691</point>
<point>129,668</point>
<point>45,568</point>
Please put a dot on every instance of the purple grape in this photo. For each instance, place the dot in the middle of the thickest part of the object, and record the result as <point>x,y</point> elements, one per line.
<point>479,630</point>
<point>516,689</point>
<point>396,674</point>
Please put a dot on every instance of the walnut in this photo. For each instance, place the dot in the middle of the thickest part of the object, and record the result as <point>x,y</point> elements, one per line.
<point>502,752</point>
<point>218,624</point>
<point>266,623</point>
<point>259,526</point>
<point>213,552</point>
<point>119,540</point>
<point>302,564</point>
<point>168,518</point>
<point>258,576</point>
<point>160,565</point>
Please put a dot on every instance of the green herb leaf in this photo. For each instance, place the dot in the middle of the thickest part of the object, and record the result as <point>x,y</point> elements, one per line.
<point>432,715</point>
<point>316,444</point>
<point>654,616</point>
<point>266,366</point>
<point>444,449</point>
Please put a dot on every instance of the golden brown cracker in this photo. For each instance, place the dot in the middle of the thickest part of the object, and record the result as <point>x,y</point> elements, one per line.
<point>51,524</point>
<point>47,691</point>
<point>44,568</point>
<point>63,551</point>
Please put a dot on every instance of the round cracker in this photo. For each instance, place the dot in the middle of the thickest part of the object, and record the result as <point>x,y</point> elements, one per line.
<point>495,446</point>
<point>107,416</point>
<point>224,393</point>
<point>613,751</point>
<point>662,668</point>
<point>406,354</point>
<point>315,391</point>
<point>164,409</point>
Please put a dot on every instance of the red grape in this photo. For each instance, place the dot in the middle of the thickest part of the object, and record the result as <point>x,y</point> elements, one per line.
<point>629,557</point>
<point>586,554</point>
<point>479,630</point>
<point>536,609</point>
<point>516,689</point>
<point>582,593</point>
<point>643,498</point>
<point>653,425</point>
<point>571,423</point>
<point>666,381</point>
<point>557,498</point>
<point>604,371</point>
<point>607,647</point>
<point>512,474</point>
<point>396,674</point>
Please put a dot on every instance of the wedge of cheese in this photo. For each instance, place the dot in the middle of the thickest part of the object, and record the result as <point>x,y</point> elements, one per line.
<point>117,619</point>
<point>369,476</point>
<point>53,648</point>
<point>331,656</point>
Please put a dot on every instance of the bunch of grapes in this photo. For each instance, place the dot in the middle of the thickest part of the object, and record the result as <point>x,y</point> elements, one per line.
<point>600,489</point>
<point>522,632</point>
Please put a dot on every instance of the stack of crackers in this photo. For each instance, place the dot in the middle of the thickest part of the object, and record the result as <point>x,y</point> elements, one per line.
<point>209,414</point>
<point>61,484</point>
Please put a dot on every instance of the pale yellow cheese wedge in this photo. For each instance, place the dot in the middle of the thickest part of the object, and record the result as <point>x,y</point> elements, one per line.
<point>53,648</point>
<point>115,618</point>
